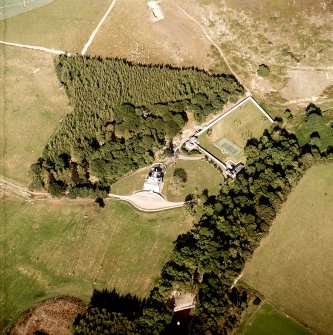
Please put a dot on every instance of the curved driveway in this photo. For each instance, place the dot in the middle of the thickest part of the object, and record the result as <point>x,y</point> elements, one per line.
<point>148,201</point>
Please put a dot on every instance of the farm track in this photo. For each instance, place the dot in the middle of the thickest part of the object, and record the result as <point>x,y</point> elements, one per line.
<point>220,51</point>
<point>34,47</point>
<point>92,36</point>
<point>22,191</point>
<point>142,201</point>
<point>307,100</point>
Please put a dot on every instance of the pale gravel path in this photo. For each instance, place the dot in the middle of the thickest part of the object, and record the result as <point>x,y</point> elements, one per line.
<point>92,36</point>
<point>34,47</point>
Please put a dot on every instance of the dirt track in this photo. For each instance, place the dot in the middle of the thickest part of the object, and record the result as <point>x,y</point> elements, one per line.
<point>22,191</point>
<point>34,47</point>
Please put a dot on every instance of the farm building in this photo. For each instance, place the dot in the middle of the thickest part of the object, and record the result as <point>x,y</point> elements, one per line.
<point>154,180</point>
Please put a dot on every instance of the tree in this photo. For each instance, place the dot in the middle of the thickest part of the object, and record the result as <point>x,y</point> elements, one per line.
<point>181,174</point>
<point>55,189</point>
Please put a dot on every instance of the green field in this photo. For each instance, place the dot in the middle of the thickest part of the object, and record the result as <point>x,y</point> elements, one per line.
<point>61,24</point>
<point>32,105</point>
<point>245,122</point>
<point>64,247</point>
<point>268,321</point>
<point>200,175</point>
<point>293,267</point>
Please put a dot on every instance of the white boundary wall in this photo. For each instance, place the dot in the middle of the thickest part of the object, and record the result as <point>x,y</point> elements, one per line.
<point>219,118</point>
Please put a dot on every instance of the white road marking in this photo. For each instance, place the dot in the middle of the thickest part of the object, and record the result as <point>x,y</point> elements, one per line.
<point>92,36</point>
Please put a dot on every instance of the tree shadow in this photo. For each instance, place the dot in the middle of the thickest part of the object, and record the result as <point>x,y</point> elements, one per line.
<point>128,305</point>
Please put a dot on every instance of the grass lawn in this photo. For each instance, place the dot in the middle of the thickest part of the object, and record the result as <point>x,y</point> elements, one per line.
<point>200,175</point>
<point>130,184</point>
<point>61,24</point>
<point>293,267</point>
<point>245,122</point>
<point>268,321</point>
<point>32,105</point>
<point>66,247</point>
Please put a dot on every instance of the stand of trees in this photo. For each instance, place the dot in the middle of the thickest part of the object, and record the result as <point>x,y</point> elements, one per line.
<point>123,114</point>
<point>207,259</point>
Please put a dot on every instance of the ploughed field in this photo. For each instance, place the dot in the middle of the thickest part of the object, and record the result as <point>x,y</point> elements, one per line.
<point>293,267</point>
<point>64,247</point>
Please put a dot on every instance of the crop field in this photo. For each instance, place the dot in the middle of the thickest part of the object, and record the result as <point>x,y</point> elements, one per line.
<point>130,32</point>
<point>33,103</point>
<point>268,321</point>
<point>200,175</point>
<point>227,138</point>
<point>64,247</point>
<point>60,24</point>
<point>293,267</point>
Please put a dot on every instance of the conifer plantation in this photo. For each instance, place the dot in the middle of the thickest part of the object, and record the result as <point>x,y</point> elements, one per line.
<point>123,113</point>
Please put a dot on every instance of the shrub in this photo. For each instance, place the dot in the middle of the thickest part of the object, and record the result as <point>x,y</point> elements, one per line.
<point>263,70</point>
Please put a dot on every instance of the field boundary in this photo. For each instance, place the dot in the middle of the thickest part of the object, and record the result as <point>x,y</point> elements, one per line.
<point>92,36</point>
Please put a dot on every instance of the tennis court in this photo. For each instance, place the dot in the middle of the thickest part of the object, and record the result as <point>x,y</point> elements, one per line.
<point>9,8</point>
<point>227,147</point>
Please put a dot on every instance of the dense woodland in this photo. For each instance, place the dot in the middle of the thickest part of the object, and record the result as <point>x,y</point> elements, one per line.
<point>208,258</point>
<point>123,114</point>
